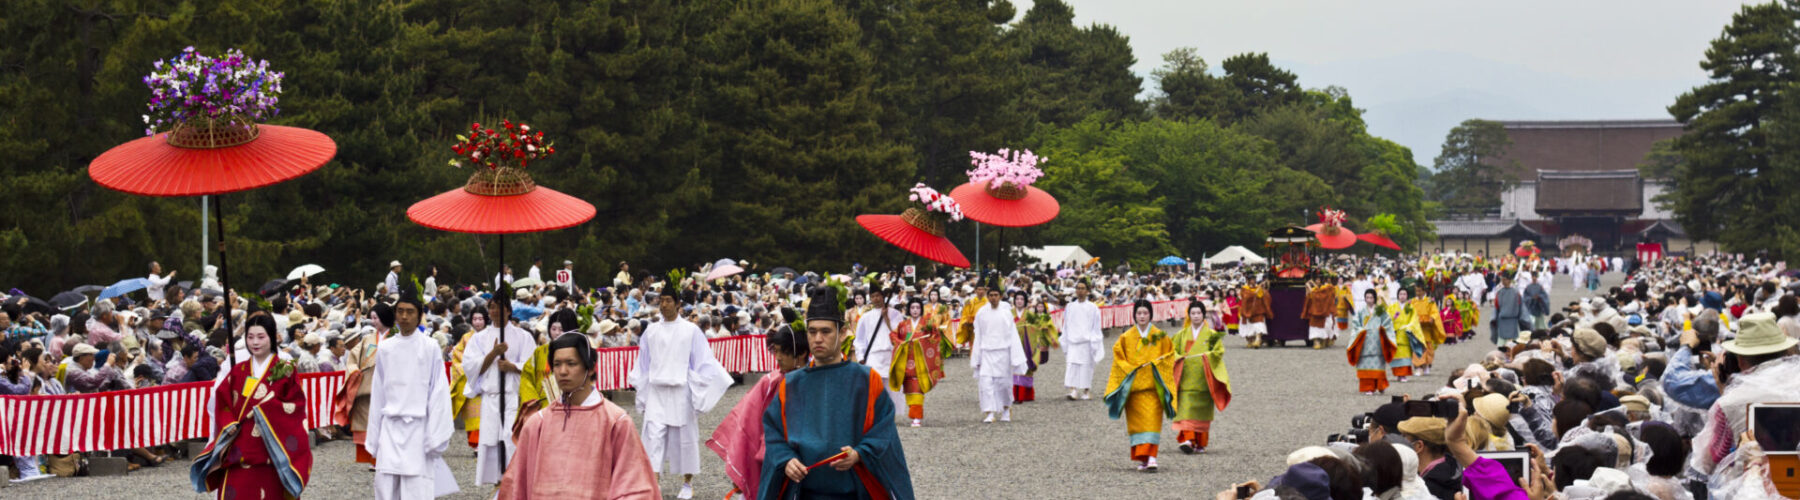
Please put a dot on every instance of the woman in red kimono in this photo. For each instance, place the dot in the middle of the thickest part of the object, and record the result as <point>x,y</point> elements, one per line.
<point>260,448</point>
<point>1452,317</point>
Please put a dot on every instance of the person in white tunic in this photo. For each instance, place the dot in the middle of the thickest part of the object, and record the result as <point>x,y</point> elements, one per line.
<point>874,348</point>
<point>1084,344</point>
<point>409,411</point>
<point>492,362</point>
<point>997,356</point>
<point>677,378</point>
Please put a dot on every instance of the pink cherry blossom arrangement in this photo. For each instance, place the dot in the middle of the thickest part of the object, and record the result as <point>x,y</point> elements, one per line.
<point>936,202</point>
<point>1018,168</point>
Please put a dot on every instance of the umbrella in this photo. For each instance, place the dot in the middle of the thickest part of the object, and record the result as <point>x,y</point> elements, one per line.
<point>276,286</point>
<point>305,271</point>
<point>503,200</point>
<point>1095,260</point>
<point>1378,240</point>
<point>1337,239</point>
<point>123,287</point>
<point>916,232</point>
<point>31,304</point>
<point>781,271</point>
<point>723,268</point>
<point>212,157</point>
<point>1172,261</point>
<point>88,289</point>
<point>1007,207</point>
<point>68,301</point>
<point>526,282</point>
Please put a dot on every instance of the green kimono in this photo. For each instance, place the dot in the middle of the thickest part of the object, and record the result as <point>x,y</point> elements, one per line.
<point>1204,384</point>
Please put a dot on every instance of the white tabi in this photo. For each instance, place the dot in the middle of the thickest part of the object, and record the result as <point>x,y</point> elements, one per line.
<point>677,378</point>
<point>1084,344</point>
<point>997,356</point>
<point>410,424</point>
<point>487,385</point>
<point>875,349</point>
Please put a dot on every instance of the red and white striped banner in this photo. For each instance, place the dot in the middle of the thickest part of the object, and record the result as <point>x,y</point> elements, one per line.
<point>1120,315</point>
<point>37,425</point>
<point>739,354</point>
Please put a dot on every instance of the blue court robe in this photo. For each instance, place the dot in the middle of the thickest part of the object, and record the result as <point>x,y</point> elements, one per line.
<point>818,411</point>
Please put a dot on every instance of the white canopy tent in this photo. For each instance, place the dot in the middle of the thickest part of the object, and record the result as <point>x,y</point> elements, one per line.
<point>1232,254</point>
<point>1056,255</point>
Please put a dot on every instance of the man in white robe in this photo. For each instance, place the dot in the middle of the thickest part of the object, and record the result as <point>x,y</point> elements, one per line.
<point>1084,344</point>
<point>1362,284</point>
<point>677,378</point>
<point>874,348</point>
<point>997,355</point>
<point>409,411</point>
<point>493,363</point>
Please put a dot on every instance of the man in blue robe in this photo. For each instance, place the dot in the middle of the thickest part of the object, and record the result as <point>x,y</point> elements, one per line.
<point>830,433</point>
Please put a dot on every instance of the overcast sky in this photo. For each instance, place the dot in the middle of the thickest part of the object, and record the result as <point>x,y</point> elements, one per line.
<point>1419,67</point>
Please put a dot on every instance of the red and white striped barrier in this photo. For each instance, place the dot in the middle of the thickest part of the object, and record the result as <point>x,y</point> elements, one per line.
<point>1120,315</point>
<point>37,425</point>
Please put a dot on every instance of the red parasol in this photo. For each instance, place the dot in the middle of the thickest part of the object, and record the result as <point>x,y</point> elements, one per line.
<point>1334,240</point>
<point>915,231</point>
<point>158,166</point>
<point>1008,206</point>
<point>464,211</point>
<point>1378,240</point>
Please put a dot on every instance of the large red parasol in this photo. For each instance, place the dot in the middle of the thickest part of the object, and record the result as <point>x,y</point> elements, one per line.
<point>1335,240</point>
<point>1378,240</point>
<point>1008,206</point>
<point>464,211</point>
<point>915,231</point>
<point>188,166</point>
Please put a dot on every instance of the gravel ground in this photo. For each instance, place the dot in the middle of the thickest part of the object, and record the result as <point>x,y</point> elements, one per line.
<point>1284,398</point>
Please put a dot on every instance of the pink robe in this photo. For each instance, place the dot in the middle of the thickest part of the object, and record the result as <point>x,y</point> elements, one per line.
<point>580,452</point>
<point>739,438</point>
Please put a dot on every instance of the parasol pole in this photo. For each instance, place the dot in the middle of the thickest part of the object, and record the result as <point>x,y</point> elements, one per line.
<point>504,322</point>
<point>203,254</point>
<point>224,283</point>
<point>978,251</point>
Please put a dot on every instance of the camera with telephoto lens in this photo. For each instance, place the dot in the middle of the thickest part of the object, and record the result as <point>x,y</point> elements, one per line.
<point>1359,430</point>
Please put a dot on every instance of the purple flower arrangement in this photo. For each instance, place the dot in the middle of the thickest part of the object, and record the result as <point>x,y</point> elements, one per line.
<point>1018,168</point>
<point>196,86</point>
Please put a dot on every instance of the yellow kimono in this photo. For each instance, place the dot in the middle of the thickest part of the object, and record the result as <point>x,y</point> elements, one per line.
<point>467,411</point>
<point>965,330</point>
<point>1431,330</point>
<point>1407,341</point>
<point>1143,370</point>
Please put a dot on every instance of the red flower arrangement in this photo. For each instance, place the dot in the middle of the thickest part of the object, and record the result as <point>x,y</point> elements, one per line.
<point>513,144</point>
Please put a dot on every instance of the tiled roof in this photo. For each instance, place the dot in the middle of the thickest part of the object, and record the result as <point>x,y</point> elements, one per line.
<point>1566,192</point>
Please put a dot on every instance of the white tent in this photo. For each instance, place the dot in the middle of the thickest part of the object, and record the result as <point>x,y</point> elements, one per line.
<point>1231,254</point>
<point>1055,255</point>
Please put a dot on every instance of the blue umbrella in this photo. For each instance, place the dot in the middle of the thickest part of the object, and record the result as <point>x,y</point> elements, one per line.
<point>1172,261</point>
<point>123,287</point>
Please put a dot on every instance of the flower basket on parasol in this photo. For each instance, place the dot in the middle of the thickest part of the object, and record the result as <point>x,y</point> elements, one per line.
<point>921,230</point>
<point>500,197</point>
<point>204,136</point>
<point>999,191</point>
<point>1330,230</point>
